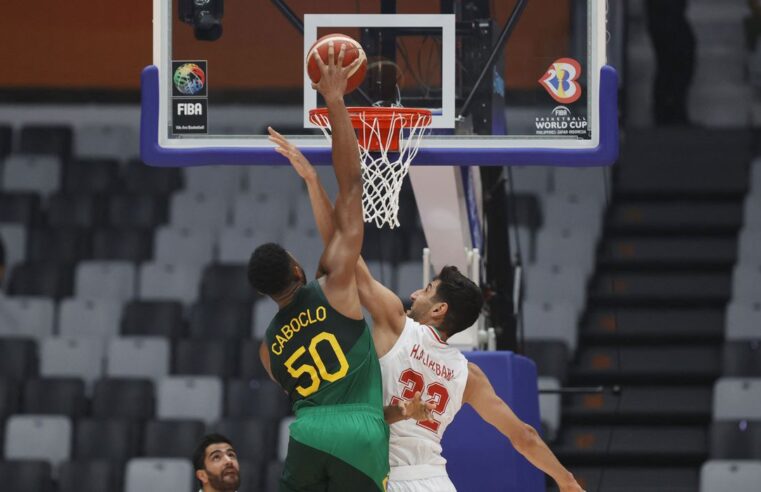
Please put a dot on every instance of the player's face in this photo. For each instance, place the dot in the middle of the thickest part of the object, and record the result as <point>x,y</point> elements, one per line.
<point>221,466</point>
<point>422,302</point>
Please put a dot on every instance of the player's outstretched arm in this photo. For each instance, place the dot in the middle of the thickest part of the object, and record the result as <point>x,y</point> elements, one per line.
<point>480,394</point>
<point>341,253</point>
<point>384,306</point>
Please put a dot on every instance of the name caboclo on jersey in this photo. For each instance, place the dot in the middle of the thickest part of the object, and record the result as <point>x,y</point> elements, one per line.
<point>301,320</point>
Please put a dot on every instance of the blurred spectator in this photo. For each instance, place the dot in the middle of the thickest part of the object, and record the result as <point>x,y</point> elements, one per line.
<point>674,44</point>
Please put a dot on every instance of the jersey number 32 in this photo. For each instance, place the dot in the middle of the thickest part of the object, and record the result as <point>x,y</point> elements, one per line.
<point>414,383</point>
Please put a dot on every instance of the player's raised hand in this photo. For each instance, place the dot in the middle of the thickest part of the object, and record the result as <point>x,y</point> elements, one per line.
<point>333,75</point>
<point>416,408</point>
<point>284,147</point>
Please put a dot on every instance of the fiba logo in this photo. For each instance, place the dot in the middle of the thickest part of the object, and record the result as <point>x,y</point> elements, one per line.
<point>189,79</point>
<point>560,80</point>
<point>561,111</point>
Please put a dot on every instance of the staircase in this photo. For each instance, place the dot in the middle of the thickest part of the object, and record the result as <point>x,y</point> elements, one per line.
<point>654,325</point>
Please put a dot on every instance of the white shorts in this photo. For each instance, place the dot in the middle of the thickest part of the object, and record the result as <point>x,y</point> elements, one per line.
<point>433,484</point>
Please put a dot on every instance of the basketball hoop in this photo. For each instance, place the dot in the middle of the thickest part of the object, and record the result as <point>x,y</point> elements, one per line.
<point>389,138</point>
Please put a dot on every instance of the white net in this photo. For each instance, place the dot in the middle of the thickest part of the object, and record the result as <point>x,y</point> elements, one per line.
<point>383,169</point>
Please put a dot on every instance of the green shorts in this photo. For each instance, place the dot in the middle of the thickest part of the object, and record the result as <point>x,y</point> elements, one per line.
<point>337,448</point>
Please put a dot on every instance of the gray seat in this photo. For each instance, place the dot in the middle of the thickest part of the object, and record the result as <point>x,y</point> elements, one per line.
<point>89,318</point>
<point>737,398</point>
<point>190,397</point>
<point>555,283</point>
<point>30,317</point>
<point>199,210</point>
<point>38,173</point>
<point>114,280</point>
<point>13,237</point>
<point>746,282</point>
<point>268,215</point>
<point>158,475</point>
<point>138,357</point>
<point>184,245</point>
<point>237,244</point>
<point>743,320</point>
<point>752,210</point>
<point>223,181</point>
<point>747,245</point>
<point>551,321</point>
<point>578,211</point>
<point>306,247</point>
<point>38,437</point>
<point>72,357</point>
<point>567,245</point>
<point>165,281</point>
<point>117,141</point>
<point>272,180</point>
<point>723,476</point>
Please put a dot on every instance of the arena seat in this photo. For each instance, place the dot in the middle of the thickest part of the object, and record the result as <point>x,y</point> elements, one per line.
<point>227,282</point>
<point>268,216</point>
<point>223,181</point>
<point>263,312</point>
<point>531,179</point>
<point>92,176</point>
<point>555,283</point>
<point>743,319</point>
<point>255,399</point>
<point>747,245</point>
<point>126,244</point>
<point>548,321</point>
<point>90,476</point>
<point>144,474</point>
<point>153,318</point>
<point>274,471</point>
<point>254,439</point>
<point>89,318</point>
<point>237,243</point>
<point>409,277</point>
<point>220,320</point>
<point>54,396</point>
<point>26,475</point>
<point>193,246</point>
<point>250,474</point>
<point>746,282</point>
<point>44,279</point>
<point>110,440</point>
<point>166,281</point>
<point>18,358</point>
<point>28,317</point>
<point>250,364</point>
<point>721,476</point>
<point>138,357</point>
<point>71,244</point>
<point>205,358</point>
<point>31,173</point>
<point>9,397</point>
<point>564,245</point>
<point>551,357</point>
<point>147,180</point>
<point>106,140</point>
<point>107,280</point>
<point>197,209</point>
<point>124,398</point>
<point>13,237</point>
<point>38,437</point>
<point>47,139</point>
<point>737,398</point>
<point>6,140</point>
<point>67,210</point>
<point>186,397</point>
<point>742,358</point>
<point>136,210</point>
<point>735,439</point>
<point>19,207</point>
<point>306,247</point>
<point>171,438</point>
<point>72,357</point>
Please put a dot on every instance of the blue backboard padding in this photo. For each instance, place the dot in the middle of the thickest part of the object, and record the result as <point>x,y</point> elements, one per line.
<point>479,457</point>
<point>604,154</point>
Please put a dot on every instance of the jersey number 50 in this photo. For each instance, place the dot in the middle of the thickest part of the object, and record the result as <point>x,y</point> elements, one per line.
<point>414,383</point>
<point>296,372</point>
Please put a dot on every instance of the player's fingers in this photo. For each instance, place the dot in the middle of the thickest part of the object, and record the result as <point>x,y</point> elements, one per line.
<point>417,396</point>
<point>318,59</point>
<point>350,68</point>
<point>331,54</point>
<point>341,54</point>
<point>314,86</point>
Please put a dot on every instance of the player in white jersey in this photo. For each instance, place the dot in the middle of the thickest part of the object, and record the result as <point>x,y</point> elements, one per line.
<point>416,359</point>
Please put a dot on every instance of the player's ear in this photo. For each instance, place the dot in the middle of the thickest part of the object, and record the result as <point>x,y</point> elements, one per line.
<point>439,310</point>
<point>202,476</point>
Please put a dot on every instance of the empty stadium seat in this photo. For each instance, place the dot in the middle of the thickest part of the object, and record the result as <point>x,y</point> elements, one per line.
<point>144,474</point>
<point>264,311</point>
<point>566,245</point>
<point>743,320</point>
<point>13,237</point>
<point>197,398</point>
<point>531,179</point>
<point>220,320</point>
<point>736,398</point>
<point>746,282</point>
<point>148,180</point>
<point>54,396</point>
<point>253,439</point>
<point>138,357</point>
<point>47,139</point>
<point>306,247</point>
<point>31,173</point>
<point>164,281</point>
<point>9,397</point>
<point>184,245</point>
<point>90,476</point>
<point>268,216</point>
<point>136,210</point>
<point>18,358</point>
<point>205,358</point>
<point>26,475</point>
<point>106,280</point>
<point>29,317</point>
<point>72,357</point>
<point>259,399</point>
<point>129,244</point>
<point>555,283</point>
<point>269,180</point>
<point>153,318</point>
<point>227,283</point>
<point>19,207</point>
<point>106,439</point>
<point>92,176</point>
<point>550,321</point>
<point>551,357</point>
<point>735,439</point>
<point>66,210</point>
<point>60,245</point>
<point>737,476</point>
<point>742,358</point>
<point>250,364</point>
<point>38,437</point>
<point>171,438</point>
<point>89,318</point>
<point>220,181</point>
<point>747,245</point>
<point>237,243</point>
<point>251,475</point>
<point>111,140</point>
<point>580,211</point>
<point>200,210</point>
<point>752,211</point>
<point>409,278</point>
<point>42,279</point>
<point>129,398</point>
<point>6,139</point>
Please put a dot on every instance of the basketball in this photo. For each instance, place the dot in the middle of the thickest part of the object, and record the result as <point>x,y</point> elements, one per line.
<point>353,51</point>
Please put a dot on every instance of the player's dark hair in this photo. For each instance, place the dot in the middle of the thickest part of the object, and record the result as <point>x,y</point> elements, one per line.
<point>199,455</point>
<point>269,269</point>
<point>463,297</point>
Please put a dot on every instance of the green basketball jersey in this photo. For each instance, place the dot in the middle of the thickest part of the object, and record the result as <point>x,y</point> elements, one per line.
<point>321,357</point>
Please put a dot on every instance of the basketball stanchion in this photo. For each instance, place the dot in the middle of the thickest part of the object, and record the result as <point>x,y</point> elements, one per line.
<point>389,139</point>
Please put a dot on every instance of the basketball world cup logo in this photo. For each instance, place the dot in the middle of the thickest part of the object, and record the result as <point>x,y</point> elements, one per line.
<point>560,80</point>
<point>189,79</point>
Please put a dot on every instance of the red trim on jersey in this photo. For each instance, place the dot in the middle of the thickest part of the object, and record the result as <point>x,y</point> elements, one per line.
<point>433,331</point>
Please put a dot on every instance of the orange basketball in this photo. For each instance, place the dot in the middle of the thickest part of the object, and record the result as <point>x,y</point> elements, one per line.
<point>353,51</point>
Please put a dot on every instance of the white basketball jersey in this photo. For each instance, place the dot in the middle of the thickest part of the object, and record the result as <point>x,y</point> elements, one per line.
<point>421,362</point>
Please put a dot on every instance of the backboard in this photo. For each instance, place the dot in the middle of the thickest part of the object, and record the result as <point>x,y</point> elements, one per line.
<point>515,82</point>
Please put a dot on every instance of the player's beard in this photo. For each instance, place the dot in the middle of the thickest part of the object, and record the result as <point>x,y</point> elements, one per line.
<point>228,480</point>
